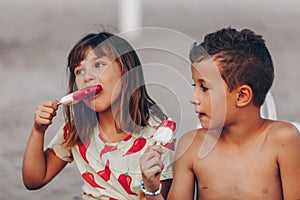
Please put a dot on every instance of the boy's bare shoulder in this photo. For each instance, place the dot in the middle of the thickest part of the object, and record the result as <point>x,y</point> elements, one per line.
<point>281,132</point>
<point>190,140</point>
<point>193,136</point>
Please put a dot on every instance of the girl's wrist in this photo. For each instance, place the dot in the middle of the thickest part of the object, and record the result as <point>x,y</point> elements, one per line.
<point>39,130</point>
<point>152,184</point>
<point>151,192</point>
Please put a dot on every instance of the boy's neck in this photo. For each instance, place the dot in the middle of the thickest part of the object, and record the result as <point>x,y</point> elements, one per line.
<point>246,127</point>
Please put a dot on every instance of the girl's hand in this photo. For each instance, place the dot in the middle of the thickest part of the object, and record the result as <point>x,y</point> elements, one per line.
<point>151,167</point>
<point>44,114</point>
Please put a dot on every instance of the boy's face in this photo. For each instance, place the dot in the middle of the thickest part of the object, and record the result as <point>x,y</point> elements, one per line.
<point>210,97</point>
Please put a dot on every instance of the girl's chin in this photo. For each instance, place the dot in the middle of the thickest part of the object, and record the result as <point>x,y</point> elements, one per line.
<point>92,105</point>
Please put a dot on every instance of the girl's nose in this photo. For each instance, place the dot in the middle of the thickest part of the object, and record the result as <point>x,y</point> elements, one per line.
<point>89,75</point>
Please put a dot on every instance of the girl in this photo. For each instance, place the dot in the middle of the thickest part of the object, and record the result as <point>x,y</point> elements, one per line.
<point>106,134</point>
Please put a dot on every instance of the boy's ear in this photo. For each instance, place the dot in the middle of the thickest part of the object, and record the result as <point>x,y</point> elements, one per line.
<point>243,95</point>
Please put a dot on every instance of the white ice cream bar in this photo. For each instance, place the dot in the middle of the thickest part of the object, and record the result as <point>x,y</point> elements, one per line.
<point>165,132</point>
<point>79,95</point>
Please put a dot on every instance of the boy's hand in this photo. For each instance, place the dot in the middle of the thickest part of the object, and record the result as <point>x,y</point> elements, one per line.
<point>44,114</point>
<point>151,167</point>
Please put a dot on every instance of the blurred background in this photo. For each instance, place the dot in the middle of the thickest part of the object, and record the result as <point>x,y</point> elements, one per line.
<point>35,37</point>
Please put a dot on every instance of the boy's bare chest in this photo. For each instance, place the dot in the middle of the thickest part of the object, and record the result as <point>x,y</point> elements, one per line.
<point>248,174</point>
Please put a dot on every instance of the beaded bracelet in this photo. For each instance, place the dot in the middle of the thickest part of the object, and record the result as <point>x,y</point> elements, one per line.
<point>150,193</point>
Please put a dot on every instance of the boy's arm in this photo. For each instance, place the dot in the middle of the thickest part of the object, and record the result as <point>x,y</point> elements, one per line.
<point>289,162</point>
<point>40,167</point>
<point>183,184</point>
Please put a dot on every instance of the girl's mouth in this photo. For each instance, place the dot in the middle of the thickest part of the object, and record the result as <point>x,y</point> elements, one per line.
<point>93,97</point>
<point>87,92</point>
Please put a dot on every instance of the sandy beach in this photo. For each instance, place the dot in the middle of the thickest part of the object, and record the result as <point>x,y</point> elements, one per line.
<point>35,38</point>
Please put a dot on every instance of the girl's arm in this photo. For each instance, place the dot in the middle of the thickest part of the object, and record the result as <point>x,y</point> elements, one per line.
<point>40,167</point>
<point>183,184</point>
<point>151,167</point>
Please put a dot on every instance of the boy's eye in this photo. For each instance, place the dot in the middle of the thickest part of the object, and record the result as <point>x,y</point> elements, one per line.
<point>203,88</point>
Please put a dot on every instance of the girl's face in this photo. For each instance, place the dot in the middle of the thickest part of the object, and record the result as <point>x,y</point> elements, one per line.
<point>94,70</point>
<point>210,97</point>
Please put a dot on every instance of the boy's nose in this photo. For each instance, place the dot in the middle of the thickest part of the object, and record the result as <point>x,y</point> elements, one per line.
<point>194,99</point>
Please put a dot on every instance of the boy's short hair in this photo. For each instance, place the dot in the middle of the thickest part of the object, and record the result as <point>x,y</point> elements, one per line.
<point>242,58</point>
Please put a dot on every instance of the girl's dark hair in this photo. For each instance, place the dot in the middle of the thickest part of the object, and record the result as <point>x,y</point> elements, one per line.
<point>135,106</point>
<point>243,59</point>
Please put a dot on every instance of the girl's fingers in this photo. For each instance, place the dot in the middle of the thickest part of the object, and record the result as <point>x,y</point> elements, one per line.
<point>150,163</point>
<point>154,165</point>
<point>50,111</point>
<point>153,151</point>
<point>152,172</point>
<point>47,107</point>
<point>156,148</point>
<point>44,114</point>
<point>151,155</point>
<point>48,114</point>
<point>50,104</point>
<point>43,122</point>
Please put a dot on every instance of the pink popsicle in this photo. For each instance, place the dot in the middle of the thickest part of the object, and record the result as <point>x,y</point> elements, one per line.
<point>86,92</point>
<point>79,95</point>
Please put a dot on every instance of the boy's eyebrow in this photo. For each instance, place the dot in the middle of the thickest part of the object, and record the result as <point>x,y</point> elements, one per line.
<point>201,80</point>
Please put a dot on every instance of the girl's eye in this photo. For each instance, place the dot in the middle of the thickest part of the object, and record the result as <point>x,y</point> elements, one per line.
<point>78,71</point>
<point>204,89</point>
<point>193,84</point>
<point>98,64</point>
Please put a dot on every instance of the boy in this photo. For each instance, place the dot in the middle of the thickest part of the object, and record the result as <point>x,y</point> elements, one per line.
<point>237,154</point>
